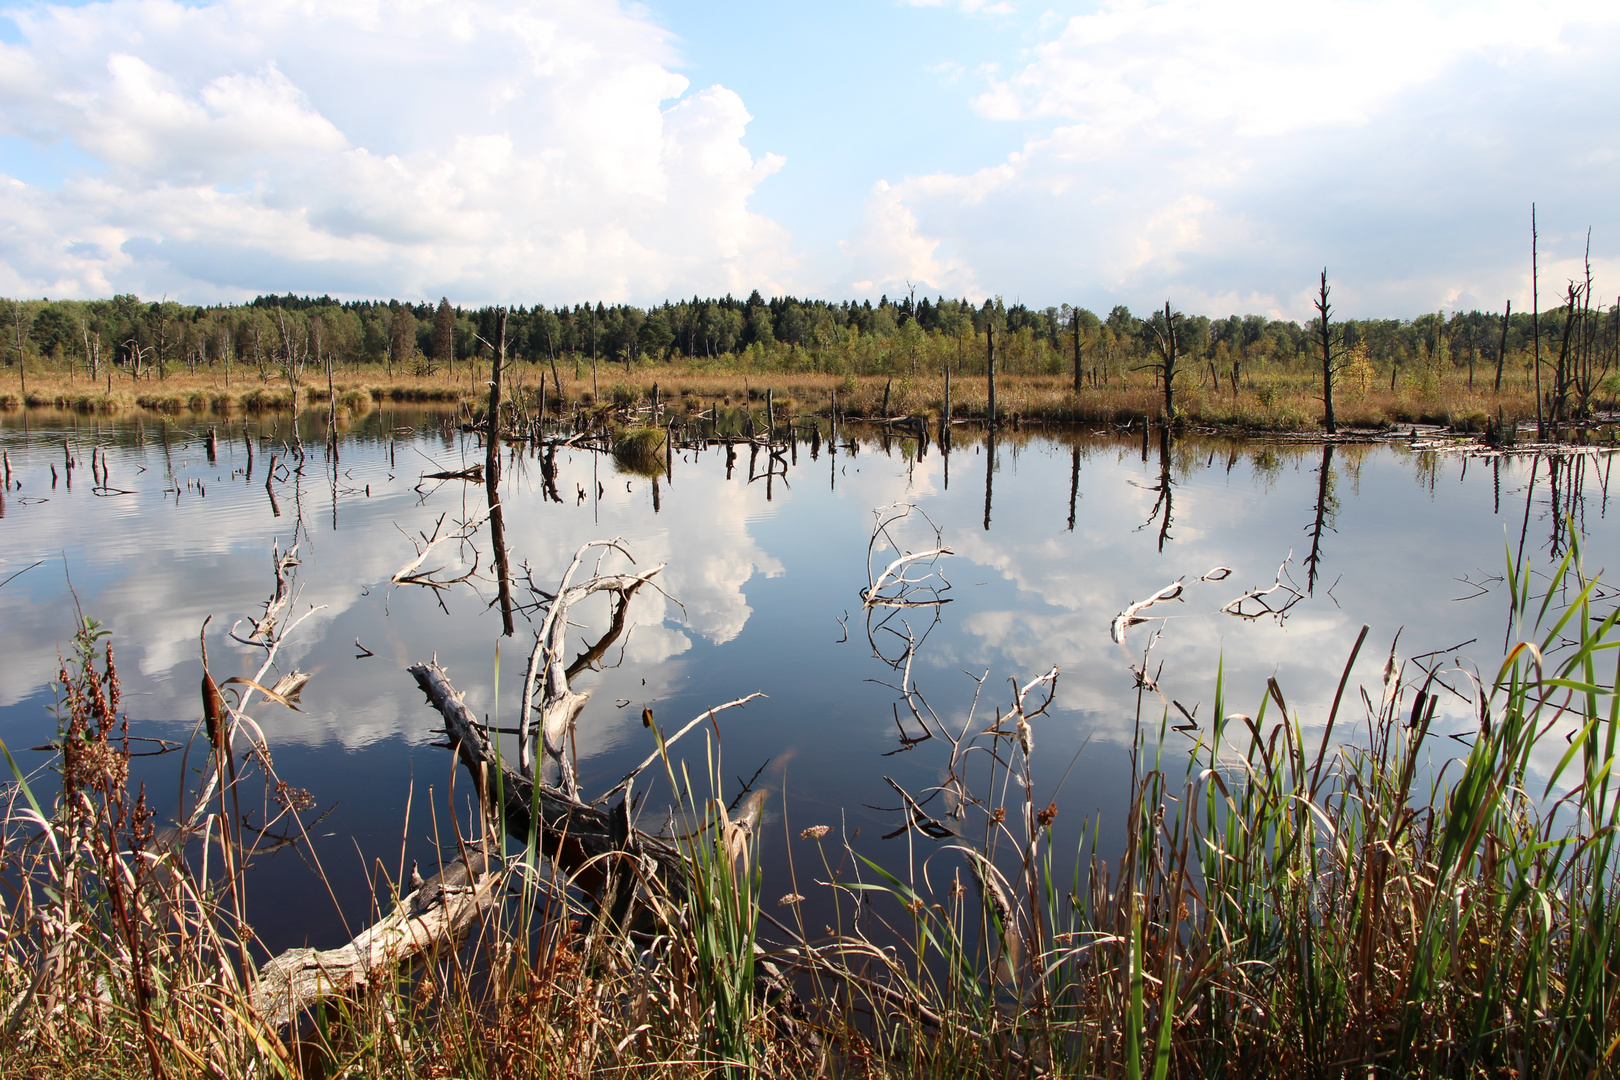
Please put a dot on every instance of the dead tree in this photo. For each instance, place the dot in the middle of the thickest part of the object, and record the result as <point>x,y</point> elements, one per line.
<point>1075,321</point>
<point>1330,356</point>
<point>1501,348</point>
<point>492,478</point>
<point>1167,343</point>
<point>990,369</point>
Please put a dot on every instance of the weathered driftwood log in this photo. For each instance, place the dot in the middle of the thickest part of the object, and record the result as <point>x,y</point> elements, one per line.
<point>581,839</point>
<point>436,915</point>
<point>572,834</point>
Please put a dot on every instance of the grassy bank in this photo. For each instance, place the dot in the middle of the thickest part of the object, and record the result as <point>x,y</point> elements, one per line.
<point>1390,902</point>
<point>1265,399</point>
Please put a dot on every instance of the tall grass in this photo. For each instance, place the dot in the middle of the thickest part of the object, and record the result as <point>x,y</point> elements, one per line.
<point>1271,396</point>
<point>1367,893</point>
<point>1292,905</point>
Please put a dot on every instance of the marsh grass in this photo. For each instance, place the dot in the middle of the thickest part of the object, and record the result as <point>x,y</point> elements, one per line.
<point>1287,905</point>
<point>639,450</point>
<point>1351,895</point>
<point>1271,396</point>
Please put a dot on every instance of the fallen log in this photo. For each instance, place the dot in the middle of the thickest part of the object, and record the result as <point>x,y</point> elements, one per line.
<point>574,835</point>
<point>436,915</point>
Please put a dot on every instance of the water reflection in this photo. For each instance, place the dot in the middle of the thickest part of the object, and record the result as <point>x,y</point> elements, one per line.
<point>765,566</point>
<point>1327,507</point>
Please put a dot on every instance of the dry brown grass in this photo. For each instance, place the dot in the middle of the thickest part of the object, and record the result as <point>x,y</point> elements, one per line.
<point>1267,399</point>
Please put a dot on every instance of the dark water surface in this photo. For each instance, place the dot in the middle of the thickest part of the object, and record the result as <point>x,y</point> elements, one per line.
<point>763,585</point>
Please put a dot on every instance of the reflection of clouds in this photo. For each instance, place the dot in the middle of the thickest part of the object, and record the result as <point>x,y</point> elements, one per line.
<point>1249,514</point>
<point>1027,594</point>
<point>152,571</point>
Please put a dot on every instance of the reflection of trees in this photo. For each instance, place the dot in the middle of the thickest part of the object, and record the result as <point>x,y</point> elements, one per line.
<point>1163,505</point>
<point>1327,508</point>
<point>910,580</point>
<point>1566,478</point>
<point>1074,474</point>
<point>989,474</point>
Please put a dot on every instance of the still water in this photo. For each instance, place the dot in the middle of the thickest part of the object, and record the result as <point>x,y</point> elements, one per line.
<point>1051,537</point>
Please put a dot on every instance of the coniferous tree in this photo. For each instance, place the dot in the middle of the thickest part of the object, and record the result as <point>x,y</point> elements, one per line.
<point>444,334</point>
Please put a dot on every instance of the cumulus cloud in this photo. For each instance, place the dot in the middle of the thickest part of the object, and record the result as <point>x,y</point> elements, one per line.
<point>894,255</point>
<point>481,150</point>
<point>1222,153</point>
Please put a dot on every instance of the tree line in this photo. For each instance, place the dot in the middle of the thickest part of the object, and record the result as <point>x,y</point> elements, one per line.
<point>149,339</point>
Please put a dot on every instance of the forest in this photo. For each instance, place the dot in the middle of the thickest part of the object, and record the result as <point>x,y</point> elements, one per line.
<point>1473,371</point>
<point>153,338</point>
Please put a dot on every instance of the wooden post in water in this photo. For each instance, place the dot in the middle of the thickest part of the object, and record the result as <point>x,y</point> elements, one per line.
<point>770,416</point>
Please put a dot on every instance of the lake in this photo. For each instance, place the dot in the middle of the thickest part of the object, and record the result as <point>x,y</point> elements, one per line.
<point>1052,536</point>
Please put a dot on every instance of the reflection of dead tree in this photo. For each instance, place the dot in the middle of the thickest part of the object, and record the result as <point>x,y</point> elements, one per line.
<point>910,580</point>
<point>907,688</point>
<point>1278,609</point>
<point>1164,504</point>
<point>1326,505</point>
<point>1134,615</point>
<point>413,574</point>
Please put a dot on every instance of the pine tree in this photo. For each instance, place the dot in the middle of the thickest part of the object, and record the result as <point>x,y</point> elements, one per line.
<point>444,334</point>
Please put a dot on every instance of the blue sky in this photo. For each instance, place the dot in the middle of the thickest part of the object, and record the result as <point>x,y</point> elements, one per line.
<point>1218,153</point>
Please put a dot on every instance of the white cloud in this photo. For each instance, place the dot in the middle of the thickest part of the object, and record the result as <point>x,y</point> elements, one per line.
<point>894,254</point>
<point>485,151</point>
<point>1205,149</point>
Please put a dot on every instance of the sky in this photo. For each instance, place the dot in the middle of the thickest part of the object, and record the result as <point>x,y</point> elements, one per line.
<point>1218,155</point>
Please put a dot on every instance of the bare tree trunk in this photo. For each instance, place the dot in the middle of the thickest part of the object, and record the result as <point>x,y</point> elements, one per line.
<point>990,370</point>
<point>1501,349</point>
<point>92,354</point>
<point>1325,335</point>
<point>492,475</point>
<point>1535,323</point>
<point>1169,345</point>
<point>1078,384</point>
<point>22,357</point>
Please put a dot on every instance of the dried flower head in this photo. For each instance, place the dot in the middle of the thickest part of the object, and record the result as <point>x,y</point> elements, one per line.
<point>1045,817</point>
